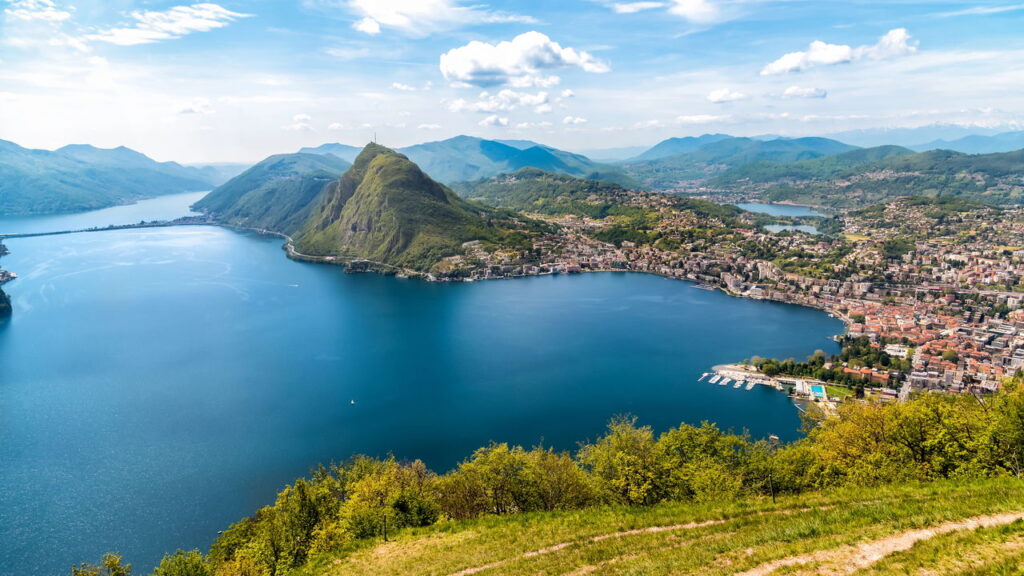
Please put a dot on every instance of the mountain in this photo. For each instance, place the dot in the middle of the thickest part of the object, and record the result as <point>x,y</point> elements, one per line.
<point>343,151</point>
<point>465,158</point>
<point>537,191</point>
<point>709,160</point>
<point>220,173</point>
<point>614,154</point>
<point>978,144</point>
<point>816,168</point>
<point>909,137</point>
<point>988,178</point>
<point>386,210</point>
<point>674,146</point>
<point>77,178</point>
<point>277,194</point>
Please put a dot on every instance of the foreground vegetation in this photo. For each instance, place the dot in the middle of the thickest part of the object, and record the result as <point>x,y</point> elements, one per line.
<point>505,499</point>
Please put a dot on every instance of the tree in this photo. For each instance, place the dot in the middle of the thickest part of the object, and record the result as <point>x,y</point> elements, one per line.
<point>623,463</point>
<point>183,563</point>
<point>111,565</point>
<point>951,356</point>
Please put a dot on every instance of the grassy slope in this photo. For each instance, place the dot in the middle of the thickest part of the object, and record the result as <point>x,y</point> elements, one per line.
<point>715,539</point>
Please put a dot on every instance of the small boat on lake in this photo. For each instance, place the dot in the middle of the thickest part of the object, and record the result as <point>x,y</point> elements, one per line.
<point>750,385</point>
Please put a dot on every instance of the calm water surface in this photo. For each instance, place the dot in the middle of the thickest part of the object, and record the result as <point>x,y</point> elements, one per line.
<point>778,209</point>
<point>157,385</point>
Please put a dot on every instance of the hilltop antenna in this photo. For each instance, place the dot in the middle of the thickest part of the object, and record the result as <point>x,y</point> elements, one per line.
<point>374,137</point>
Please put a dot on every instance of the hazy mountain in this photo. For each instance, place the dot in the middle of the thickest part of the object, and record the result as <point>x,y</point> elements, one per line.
<point>343,151</point>
<point>278,194</point>
<point>909,137</point>
<point>674,146</point>
<point>537,191</point>
<point>80,177</point>
<point>978,144</point>
<point>465,158</point>
<point>386,210</point>
<point>711,159</point>
<point>816,168</point>
<point>614,154</point>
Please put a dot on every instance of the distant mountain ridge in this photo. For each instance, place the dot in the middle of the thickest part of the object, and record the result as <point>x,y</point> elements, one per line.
<point>674,146</point>
<point>467,158</point>
<point>82,177</point>
<point>277,194</point>
<point>711,158</point>
<point>978,144</point>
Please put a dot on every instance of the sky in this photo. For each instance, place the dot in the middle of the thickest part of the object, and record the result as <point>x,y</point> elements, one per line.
<point>238,80</point>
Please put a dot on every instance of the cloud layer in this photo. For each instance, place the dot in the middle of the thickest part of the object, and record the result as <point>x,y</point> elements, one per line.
<point>894,44</point>
<point>525,61</point>
<point>423,17</point>
<point>154,26</point>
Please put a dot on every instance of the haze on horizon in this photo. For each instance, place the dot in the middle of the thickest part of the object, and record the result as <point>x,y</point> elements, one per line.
<point>238,80</point>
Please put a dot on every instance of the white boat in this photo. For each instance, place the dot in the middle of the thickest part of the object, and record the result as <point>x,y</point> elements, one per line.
<point>750,385</point>
<point>738,384</point>
<point>715,378</point>
<point>724,381</point>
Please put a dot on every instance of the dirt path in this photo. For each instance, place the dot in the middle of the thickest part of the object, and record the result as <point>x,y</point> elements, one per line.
<point>598,538</point>
<point>848,559</point>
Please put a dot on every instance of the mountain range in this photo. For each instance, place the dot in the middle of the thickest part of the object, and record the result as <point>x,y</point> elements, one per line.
<point>82,177</point>
<point>466,158</point>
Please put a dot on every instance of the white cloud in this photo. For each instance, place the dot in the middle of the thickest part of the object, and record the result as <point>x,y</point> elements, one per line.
<point>494,121</point>
<point>300,123</point>
<point>503,101</point>
<point>634,7</point>
<point>336,127</point>
<point>150,26</point>
<point>573,120</point>
<point>982,11</point>
<point>725,95</point>
<point>429,127</point>
<point>521,62</point>
<point>699,119</point>
<point>697,11</point>
<point>36,10</point>
<point>894,44</point>
<point>568,93</point>
<point>349,53</point>
<point>424,17</point>
<point>799,92</point>
<point>543,109</point>
<point>403,87</point>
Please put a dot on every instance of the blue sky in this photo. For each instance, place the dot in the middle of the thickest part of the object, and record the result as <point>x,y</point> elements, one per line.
<point>237,80</point>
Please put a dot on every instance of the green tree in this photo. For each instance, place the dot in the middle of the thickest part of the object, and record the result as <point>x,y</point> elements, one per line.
<point>111,565</point>
<point>183,563</point>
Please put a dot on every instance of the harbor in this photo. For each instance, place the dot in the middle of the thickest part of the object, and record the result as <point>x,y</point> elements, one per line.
<point>744,377</point>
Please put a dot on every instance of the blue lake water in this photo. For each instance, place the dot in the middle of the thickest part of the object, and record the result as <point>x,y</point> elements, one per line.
<point>778,209</point>
<point>157,385</point>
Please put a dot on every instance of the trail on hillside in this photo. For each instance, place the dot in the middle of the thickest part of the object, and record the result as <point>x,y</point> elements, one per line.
<point>598,538</point>
<point>848,559</point>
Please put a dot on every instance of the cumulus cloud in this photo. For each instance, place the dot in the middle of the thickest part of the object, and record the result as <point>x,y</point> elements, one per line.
<point>725,95</point>
<point>522,62</point>
<point>894,44</point>
<point>800,92</point>
<point>36,11</point>
<point>503,101</point>
<point>696,11</point>
<point>424,17</point>
<point>154,26</point>
<point>300,123</point>
<point>403,87</point>
<point>573,120</point>
<point>494,121</point>
<point>201,107</point>
<point>429,127</point>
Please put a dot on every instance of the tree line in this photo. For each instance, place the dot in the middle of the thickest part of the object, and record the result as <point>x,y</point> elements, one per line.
<point>933,436</point>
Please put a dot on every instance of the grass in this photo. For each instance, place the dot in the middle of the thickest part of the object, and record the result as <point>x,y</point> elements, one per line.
<point>840,392</point>
<point>713,539</point>
<point>856,237</point>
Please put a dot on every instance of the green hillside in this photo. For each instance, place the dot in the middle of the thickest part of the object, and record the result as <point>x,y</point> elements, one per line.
<point>78,178</point>
<point>542,192</point>
<point>928,486</point>
<point>709,160</point>
<point>814,169</point>
<point>278,194</point>
<point>673,146</point>
<point>989,178</point>
<point>386,210</point>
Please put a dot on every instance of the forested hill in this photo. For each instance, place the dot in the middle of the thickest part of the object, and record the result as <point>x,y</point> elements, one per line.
<point>278,194</point>
<point>538,191</point>
<point>386,210</point>
<point>926,486</point>
<point>78,178</point>
<point>989,178</point>
<point>719,155</point>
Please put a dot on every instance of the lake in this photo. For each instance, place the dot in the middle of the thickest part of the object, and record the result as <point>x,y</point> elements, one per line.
<point>157,385</point>
<point>778,209</point>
